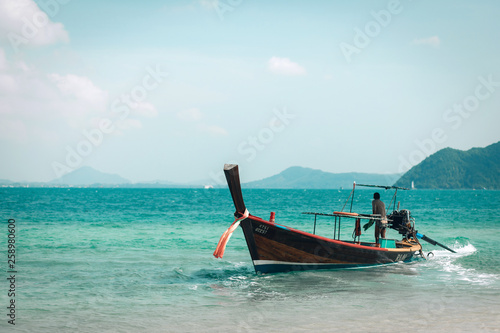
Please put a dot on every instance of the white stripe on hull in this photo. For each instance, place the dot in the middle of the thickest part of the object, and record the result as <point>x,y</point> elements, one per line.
<point>260,263</point>
<point>274,262</point>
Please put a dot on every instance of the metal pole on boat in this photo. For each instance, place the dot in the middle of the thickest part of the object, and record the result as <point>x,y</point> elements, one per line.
<point>338,235</point>
<point>335,227</point>
<point>395,199</point>
<point>352,198</point>
<point>314,230</point>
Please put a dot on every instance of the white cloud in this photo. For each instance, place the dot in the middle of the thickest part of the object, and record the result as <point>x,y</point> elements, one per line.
<point>82,89</point>
<point>3,60</point>
<point>145,109</point>
<point>24,23</point>
<point>208,4</point>
<point>8,84</point>
<point>13,130</point>
<point>193,114</point>
<point>432,41</point>
<point>285,66</point>
<point>128,123</point>
<point>40,107</point>
<point>48,109</point>
<point>213,130</point>
<point>23,91</point>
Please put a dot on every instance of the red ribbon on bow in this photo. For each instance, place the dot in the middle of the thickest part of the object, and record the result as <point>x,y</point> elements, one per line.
<point>221,246</point>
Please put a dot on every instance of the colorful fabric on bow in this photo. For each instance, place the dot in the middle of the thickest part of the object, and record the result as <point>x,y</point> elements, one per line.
<point>221,246</point>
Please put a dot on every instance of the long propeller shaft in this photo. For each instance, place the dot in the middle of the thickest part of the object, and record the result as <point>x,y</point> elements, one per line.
<point>433,242</point>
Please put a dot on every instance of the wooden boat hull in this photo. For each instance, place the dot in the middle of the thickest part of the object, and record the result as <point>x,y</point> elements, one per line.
<point>277,248</point>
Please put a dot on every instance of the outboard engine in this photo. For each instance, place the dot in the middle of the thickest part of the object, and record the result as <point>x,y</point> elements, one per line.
<point>401,221</point>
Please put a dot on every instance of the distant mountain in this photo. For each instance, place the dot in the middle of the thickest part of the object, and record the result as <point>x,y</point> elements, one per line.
<point>306,178</point>
<point>476,168</point>
<point>154,184</point>
<point>90,177</point>
<point>86,176</point>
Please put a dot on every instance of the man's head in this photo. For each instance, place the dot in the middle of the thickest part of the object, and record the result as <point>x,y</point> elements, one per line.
<point>376,195</point>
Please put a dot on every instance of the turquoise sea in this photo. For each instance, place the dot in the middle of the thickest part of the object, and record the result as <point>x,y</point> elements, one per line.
<point>140,260</point>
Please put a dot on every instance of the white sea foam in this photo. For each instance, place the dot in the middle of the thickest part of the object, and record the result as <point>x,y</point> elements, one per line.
<point>470,274</point>
<point>464,249</point>
<point>461,251</point>
<point>447,261</point>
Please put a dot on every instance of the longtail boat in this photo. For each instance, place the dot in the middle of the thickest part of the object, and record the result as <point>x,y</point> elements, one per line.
<point>277,248</point>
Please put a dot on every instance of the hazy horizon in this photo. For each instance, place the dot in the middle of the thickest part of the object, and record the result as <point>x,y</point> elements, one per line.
<point>206,181</point>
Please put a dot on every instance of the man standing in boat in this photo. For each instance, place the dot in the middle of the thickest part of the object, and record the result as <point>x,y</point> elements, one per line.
<point>378,207</point>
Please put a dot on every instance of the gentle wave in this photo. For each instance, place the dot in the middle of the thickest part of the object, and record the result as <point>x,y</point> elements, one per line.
<point>447,262</point>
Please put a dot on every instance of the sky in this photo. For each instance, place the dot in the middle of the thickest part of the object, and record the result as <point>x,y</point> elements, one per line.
<point>173,90</point>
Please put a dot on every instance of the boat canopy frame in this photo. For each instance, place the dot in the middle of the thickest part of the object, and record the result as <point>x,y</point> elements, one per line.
<point>386,187</point>
<point>338,215</point>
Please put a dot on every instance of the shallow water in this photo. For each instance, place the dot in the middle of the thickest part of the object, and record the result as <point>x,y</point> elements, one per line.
<point>129,260</point>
